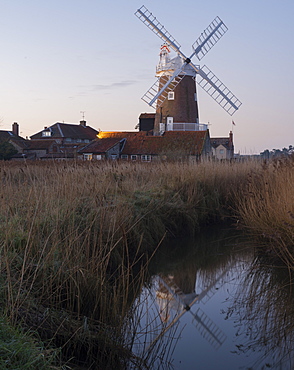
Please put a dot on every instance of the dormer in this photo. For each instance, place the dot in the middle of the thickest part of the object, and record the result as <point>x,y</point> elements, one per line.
<point>46,132</point>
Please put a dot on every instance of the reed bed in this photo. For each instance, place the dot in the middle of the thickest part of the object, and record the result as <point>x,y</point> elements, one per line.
<point>266,208</point>
<point>264,289</point>
<point>75,239</point>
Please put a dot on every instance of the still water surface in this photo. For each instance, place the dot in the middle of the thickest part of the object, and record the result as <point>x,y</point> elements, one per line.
<point>211,303</point>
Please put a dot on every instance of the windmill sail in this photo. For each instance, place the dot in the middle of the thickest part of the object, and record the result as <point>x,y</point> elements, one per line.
<point>156,96</point>
<point>209,37</point>
<point>208,329</point>
<point>151,22</point>
<point>218,91</point>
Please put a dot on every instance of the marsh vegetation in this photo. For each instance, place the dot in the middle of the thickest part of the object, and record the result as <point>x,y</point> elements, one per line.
<point>76,238</point>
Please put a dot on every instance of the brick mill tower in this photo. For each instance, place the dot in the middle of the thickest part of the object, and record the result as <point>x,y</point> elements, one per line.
<point>179,109</point>
<point>174,95</point>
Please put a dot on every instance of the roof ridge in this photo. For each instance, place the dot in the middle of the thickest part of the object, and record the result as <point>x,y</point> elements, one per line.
<point>59,128</point>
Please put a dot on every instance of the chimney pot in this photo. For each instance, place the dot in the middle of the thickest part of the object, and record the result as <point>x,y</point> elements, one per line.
<point>83,123</point>
<point>15,128</point>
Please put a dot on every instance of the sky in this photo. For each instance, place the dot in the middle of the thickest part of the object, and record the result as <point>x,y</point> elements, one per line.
<point>62,60</point>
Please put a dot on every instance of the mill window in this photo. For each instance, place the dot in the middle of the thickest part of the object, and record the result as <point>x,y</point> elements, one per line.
<point>171,95</point>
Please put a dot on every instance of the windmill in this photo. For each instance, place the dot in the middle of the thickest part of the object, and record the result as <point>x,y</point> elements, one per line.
<point>155,335</point>
<point>206,327</point>
<point>173,95</point>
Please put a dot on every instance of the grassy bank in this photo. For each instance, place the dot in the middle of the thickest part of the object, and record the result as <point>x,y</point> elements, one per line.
<point>74,238</point>
<point>19,351</point>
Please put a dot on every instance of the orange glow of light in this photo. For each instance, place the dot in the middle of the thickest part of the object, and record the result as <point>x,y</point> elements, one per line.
<point>102,135</point>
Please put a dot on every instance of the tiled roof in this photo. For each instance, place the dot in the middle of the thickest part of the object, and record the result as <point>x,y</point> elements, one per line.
<point>122,134</point>
<point>224,141</point>
<point>22,144</point>
<point>58,156</point>
<point>7,135</point>
<point>147,115</point>
<point>100,146</point>
<point>10,136</point>
<point>68,130</point>
<point>191,142</point>
<point>186,142</point>
<point>39,144</point>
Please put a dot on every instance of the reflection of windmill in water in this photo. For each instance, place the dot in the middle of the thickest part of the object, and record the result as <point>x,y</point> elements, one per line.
<point>172,295</point>
<point>174,95</point>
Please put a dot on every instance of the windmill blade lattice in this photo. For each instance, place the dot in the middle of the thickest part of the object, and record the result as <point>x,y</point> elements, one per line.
<point>151,22</point>
<point>218,91</point>
<point>209,37</point>
<point>208,329</point>
<point>154,98</point>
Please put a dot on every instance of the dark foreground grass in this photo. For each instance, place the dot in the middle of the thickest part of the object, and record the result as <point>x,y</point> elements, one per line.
<point>19,351</point>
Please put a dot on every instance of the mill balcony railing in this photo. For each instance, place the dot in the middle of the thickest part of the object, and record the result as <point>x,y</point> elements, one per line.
<point>186,127</point>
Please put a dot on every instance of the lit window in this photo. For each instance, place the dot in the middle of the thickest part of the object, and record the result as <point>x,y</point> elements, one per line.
<point>88,157</point>
<point>46,133</point>
<point>171,95</point>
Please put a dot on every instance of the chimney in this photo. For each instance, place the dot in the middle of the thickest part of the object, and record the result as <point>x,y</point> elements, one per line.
<point>231,145</point>
<point>15,128</point>
<point>231,137</point>
<point>83,123</point>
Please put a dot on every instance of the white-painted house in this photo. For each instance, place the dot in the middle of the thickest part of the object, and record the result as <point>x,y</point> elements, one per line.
<point>223,147</point>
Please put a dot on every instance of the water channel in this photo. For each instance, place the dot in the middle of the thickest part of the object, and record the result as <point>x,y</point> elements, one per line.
<point>212,303</point>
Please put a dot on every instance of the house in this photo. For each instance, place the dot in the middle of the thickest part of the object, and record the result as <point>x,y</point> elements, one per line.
<point>61,140</point>
<point>67,133</point>
<point>143,146</point>
<point>13,138</point>
<point>223,147</point>
<point>28,149</point>
<point>105,148</point>
<point>40,149</point>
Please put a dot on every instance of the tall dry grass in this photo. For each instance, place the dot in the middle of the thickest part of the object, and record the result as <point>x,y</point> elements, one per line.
<point>266,208</point>
<point>74,238</point>
<point>66,263</point>
<point>262,311</point>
